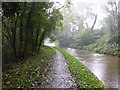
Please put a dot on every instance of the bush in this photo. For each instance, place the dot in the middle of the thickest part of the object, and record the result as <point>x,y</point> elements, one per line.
<point>102,46</point>
<point>85,38</point>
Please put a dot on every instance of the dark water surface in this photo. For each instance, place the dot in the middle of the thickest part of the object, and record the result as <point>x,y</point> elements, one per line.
<point>105,67</point>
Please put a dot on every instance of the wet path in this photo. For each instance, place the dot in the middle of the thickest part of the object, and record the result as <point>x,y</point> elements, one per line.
<point>59,76</point>
<point>105,67</point>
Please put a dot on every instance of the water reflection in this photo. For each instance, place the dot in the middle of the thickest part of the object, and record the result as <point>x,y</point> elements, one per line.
<point>105,67</point>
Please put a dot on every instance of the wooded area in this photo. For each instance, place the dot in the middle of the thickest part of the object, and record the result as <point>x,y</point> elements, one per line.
<point>75,28</point>
<point>84,32</point>
<point>25,27</point>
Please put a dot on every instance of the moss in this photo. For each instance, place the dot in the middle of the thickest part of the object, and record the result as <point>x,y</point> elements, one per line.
<point>83,76</point>
<point>30,72</point>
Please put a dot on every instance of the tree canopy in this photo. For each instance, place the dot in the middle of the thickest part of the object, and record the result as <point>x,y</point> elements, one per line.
<point>25,27</point>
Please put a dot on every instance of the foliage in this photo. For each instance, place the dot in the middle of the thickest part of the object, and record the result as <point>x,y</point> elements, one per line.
<point>25,27</point>
<point>84,77</point>
<point>85,38</point>
<point>80,29</point>
<point>30,72</point>
<point>102,46</point>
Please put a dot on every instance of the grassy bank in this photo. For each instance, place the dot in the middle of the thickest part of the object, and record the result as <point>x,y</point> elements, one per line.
<point>30,72</point>
<point>83,76</point>
<point>110,49</point>
<point>101,46</point>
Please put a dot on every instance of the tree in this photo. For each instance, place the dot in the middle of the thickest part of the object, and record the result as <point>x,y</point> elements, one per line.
<point>25,27</point>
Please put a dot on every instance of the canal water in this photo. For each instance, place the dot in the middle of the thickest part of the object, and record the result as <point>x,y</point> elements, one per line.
<point>105,67</point>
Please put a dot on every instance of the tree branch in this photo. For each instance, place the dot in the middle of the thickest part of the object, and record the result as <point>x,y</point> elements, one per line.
<point>86,23</point>
<point>7,28</point>
<point>5,36</point>
<point>23,9</point>
<point>94,22</point>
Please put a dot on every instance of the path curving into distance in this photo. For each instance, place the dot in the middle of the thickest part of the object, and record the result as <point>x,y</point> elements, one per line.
<point>59,76</point>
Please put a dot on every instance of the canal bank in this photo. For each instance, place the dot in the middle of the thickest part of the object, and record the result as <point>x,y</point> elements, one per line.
<point>105,67</point>
<point>83,76</point>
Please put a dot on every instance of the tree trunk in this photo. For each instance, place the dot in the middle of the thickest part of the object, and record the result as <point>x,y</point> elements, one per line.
<point>41,40</point>
<point>27,33</point>
<point>94,22</point>
<point>14,37</point>
<point>21,38</point>
<point>36,40</point>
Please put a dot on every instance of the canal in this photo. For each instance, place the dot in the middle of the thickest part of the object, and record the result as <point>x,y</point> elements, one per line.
<point>105,67</point>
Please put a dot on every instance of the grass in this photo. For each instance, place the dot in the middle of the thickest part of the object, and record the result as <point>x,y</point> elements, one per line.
<point>30,72</point>
<point>101,46</point>
<point>83,76</point>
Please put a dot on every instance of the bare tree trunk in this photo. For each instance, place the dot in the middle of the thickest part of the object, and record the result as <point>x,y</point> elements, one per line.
<point>94,22</point>
<point>86,23</point>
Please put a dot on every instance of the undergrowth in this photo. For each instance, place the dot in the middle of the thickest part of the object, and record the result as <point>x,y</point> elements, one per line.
<point>101,46</point>
<point>30,72</point>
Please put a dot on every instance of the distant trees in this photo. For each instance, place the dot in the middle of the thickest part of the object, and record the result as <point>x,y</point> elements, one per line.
<point>84,38</point>
<point>119,14</point>
<point>80,25</point>
<point>77,31</point>
<point>119,22</point>
<point>111,23</point>
<point>25,27</point>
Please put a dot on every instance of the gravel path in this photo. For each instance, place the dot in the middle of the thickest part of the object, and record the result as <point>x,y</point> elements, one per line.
<point>59,76</point>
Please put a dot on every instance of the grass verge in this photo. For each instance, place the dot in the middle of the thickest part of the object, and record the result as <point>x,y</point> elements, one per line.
<point>30,72</point>
<point>83,76</point>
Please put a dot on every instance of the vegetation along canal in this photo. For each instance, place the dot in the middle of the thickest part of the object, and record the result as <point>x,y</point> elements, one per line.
<point>105,67</point>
